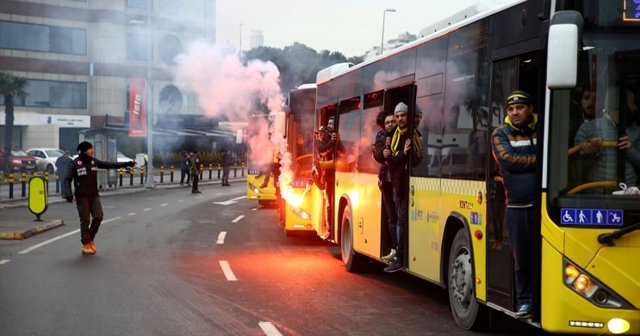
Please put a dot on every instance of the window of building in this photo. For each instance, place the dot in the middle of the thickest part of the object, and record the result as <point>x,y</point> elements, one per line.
<point>44,93</point>
<point>137,46</point>
<point>32,37</point>
<point>138,3</point>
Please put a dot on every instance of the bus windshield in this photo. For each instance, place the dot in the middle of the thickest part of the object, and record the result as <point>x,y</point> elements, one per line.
<point>596,128</point>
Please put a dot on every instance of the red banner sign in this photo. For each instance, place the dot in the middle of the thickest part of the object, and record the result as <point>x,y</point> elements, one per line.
<point>137,108</point>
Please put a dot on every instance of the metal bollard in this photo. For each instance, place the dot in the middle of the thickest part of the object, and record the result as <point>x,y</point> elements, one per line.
<point>120,173</point>
<point>242,166</point>
<point>219,168</point>
<point>11,180</point>
<point>161,173</point>
<point>57,184</point>
<point>131,176</point>
<point>235,170</point>
<point>142,175</point>
<point>210,169</point>
<point>23,180</point>
<point>201,170</point>
<point>171,170</point>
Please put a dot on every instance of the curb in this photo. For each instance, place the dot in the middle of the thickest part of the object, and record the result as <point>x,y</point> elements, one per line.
<point>19,235</point>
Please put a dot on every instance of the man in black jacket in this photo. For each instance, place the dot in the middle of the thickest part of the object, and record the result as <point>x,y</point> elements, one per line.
<point>83,171</point>
<point>382,146</point>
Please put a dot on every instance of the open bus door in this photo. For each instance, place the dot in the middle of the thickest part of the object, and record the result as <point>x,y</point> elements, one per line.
<point>516,73</point>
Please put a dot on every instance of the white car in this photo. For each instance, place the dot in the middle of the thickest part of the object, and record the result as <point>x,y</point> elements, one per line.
<point>122,158</point>
<point>46,158</point>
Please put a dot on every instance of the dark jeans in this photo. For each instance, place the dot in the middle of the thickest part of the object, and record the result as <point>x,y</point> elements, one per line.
<point>401,199</point>
<point>519,224</point>
<point>63,186</point>
<point>225,175</point>
<point>89,207</point>
<point>194,184</point>
<point>389,212</point>
<point>183,173</point>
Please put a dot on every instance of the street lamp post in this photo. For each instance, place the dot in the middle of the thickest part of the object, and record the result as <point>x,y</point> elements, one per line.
<point>384,13</point>
<point>149,183</point>
<point>240,44</point>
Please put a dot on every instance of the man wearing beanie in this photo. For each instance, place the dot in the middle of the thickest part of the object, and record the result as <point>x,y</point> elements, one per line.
<point>514,150</point>
<point>83,172</point>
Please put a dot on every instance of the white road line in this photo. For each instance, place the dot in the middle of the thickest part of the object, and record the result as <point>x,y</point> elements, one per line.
<point>254,209</point>
<point>164,204</point>
<point>146,209</point>
<point>269,329</point>
<point>132,214</point>
<point>221,236</point>
<point>226,269</point>
<point>180,201</point>
<point>4,261</point>
<point>231,201</point>
<point>47,242</point>
<point>237,219</point>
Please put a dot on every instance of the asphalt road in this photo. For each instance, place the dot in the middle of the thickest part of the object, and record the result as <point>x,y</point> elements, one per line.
<point>174,263</point>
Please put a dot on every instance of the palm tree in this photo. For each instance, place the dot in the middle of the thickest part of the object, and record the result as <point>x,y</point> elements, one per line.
<point>10,86</point>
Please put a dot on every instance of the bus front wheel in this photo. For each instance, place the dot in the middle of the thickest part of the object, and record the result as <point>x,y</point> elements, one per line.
<point>351,259</point>
<point>465,308</point>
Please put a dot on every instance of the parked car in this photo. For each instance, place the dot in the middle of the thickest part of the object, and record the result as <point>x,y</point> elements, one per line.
<point>123,158</point>
<point>46,158</point>
<point>19,161</point>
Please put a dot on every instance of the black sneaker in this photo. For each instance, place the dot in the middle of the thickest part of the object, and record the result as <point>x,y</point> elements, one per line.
<point>395,266</point>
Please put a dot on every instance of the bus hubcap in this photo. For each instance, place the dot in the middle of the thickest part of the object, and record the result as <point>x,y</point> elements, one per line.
<point>461,279</point>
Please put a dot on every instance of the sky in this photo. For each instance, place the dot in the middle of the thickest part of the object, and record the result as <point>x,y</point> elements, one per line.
<point>350,27</point>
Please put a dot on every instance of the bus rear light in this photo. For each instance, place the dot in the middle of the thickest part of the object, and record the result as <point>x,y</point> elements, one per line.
<point>591,289</point>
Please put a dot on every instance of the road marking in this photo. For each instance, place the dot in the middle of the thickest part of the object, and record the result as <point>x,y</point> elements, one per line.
<point>132,214</point>
<point>4,261</point>
<point>221,236</point>
<point>231,201</point>
<point>237,219</point>
<point>226,269</point>
<point>269,329</point>
<point>146,209</point>
<point>180,201</point>
<point>254,209</point>
<point>164,204</point>
<point>47,242</point>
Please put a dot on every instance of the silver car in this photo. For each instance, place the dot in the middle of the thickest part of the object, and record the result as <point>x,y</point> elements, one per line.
<point>46,158</point>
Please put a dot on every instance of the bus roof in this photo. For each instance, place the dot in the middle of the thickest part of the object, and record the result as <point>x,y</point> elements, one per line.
<point>475,12</point>
<point>306,86</point>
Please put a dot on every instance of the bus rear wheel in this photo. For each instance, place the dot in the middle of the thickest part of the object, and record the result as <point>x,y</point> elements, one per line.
<point>466,310</point>
<point>353,262</point>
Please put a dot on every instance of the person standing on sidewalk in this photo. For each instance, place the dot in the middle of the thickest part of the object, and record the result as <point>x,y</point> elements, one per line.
<point>83,172</point>
<point>195,172</point>
<point>185,169</point>
<point>226,164</point>
<point>62,166</point>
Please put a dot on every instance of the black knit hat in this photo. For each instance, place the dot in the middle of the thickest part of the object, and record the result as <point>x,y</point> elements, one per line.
<point>519,97</point>
<point>84,146</point>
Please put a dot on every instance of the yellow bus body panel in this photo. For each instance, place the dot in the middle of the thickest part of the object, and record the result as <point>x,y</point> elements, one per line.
<point>366,211</point>
<point>433,202</point>
<point>37,195</point>
<point>612,266</point>
<point>264,194</point>
<point>292,220</point>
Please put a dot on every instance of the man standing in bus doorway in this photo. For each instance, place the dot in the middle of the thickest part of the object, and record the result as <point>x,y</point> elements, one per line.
<point>330,145</point>
<point>387,123</point>
<point>514,149</point>
<point>404,145</point>
<point>83,172</point>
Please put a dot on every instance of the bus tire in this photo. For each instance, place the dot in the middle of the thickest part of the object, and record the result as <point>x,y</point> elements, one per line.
<point>353,262</point>
<point>466,310</point>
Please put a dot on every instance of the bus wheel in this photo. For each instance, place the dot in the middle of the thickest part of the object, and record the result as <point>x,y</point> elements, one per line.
<point>351,259</point>
<point>465,308</point>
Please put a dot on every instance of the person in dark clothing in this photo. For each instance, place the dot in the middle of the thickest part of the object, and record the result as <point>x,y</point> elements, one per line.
<point>62,166</point>
<point>226,165</point>
<point>405,146</point>
<point>195,172</point>
<point>514,149</point>
<point>83,172</point>
<point>330,148</point>
<point>185,169</point>
<point>382,145</point>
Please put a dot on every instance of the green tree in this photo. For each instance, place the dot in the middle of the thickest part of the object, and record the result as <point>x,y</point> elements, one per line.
<point>10,86</point>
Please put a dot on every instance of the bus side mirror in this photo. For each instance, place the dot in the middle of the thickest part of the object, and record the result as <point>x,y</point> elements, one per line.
<point>562,51</point>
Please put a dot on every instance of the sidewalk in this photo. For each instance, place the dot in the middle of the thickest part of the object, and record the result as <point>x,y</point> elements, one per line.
<point>16,229</point>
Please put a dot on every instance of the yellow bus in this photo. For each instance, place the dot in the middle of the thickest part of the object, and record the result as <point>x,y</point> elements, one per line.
<point>260,179</point>
<point>296,212</point>
<point>458,75</point>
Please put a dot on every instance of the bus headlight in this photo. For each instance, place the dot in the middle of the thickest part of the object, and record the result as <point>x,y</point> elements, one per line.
<point>254,188</point>
<point>300,213</point>
<point>618,326</point>
<point>590,288</point>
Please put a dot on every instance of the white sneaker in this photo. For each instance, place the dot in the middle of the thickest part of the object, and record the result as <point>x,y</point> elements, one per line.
<point>389,257</point>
